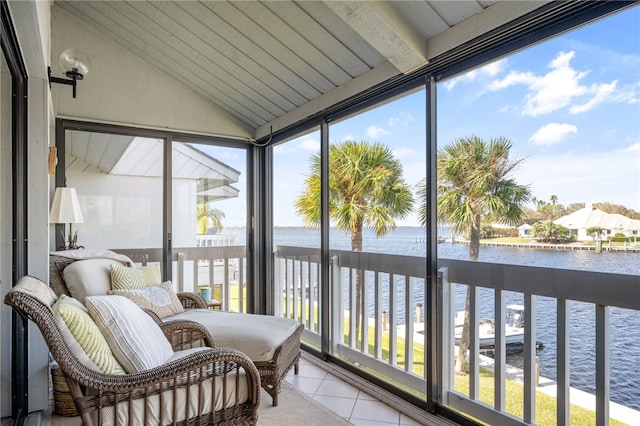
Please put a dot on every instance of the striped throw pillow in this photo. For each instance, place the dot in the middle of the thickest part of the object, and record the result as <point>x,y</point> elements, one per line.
<point>136,340</point>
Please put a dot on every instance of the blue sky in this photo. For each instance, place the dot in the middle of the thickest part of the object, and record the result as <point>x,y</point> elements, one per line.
<point>570,106</point>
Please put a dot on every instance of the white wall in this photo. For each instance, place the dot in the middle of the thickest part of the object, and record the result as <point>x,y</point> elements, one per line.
<point>121,88</point>
<point>31,20</point>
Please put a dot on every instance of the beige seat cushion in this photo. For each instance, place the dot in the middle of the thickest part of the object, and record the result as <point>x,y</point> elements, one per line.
<point>258,336</point>
<point>196,393</point>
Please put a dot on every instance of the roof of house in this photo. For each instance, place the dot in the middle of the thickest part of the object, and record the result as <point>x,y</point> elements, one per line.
<point>136,156</point>
<point>589,217</point>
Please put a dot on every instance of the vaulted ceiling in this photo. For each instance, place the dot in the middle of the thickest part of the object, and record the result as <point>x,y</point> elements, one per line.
<point>263,60</point>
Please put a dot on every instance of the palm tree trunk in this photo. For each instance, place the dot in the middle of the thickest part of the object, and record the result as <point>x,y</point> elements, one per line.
<point>474,252</point>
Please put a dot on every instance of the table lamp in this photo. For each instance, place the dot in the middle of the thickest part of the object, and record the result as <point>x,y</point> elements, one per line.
<point>66,209</point>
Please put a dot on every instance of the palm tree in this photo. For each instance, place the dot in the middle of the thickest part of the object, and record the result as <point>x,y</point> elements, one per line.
<point>474,184</point>
<point>366,188</point>
<point>205,214</point>
<point>554,200</point>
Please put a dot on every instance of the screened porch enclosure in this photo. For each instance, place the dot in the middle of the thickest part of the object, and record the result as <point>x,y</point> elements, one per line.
<point>202,140</point>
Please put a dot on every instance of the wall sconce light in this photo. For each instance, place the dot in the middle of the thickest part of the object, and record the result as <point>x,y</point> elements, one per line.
<point>75,65</point>
<point>66,209</point>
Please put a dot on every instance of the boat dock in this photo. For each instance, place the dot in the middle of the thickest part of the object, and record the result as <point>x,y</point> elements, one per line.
<point>630,248</point>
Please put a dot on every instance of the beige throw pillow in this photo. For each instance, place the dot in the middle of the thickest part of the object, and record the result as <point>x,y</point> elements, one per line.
<point>160,299</point>
<point>125,278</point>
<point>91,277</point>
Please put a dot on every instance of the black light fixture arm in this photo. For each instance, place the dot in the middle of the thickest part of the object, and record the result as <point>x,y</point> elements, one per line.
<point>72,77</point>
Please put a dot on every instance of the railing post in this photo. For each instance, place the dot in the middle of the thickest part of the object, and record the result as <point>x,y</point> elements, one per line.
<point>602,366</point>
<point>364,292</point>
<point>277,287</point>
<point>338,306</point>
<point>445,323</point>
<point>408,325</point>
<point>393,321</point>
<point>181,272</point>
<point>381,317</point>
<point>474,343</point>
<point>562,366</point>
<point>499,352</point>
<point>530,359</point>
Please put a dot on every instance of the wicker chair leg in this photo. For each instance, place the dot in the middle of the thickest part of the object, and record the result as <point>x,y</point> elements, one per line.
<point>273,391</point>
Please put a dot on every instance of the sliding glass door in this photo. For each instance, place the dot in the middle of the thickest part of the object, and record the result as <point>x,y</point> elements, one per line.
<point>158,197</point>
<point>209,217</point>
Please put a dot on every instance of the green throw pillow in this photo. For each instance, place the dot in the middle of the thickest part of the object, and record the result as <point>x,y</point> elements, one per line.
<point>125,278</point>
<point>88,335</point>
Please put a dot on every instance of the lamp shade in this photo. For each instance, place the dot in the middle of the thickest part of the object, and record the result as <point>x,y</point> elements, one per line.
<point>65,207</point>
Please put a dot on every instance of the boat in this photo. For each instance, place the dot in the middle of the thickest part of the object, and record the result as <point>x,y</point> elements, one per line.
<point>513,333</point>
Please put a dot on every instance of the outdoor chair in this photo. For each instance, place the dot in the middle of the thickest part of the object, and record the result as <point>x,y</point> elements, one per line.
<point>197,385</point>
<point>272,343</point>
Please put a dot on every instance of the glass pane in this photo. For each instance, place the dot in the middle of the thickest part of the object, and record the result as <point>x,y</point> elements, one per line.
<point>209,223</point>
<point>296,235</point>
<point>377,165</point>
<point>569,121</point>
<point>118,179</point>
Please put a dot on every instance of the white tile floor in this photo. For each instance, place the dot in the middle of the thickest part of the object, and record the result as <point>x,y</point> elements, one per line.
<point>347,401</point>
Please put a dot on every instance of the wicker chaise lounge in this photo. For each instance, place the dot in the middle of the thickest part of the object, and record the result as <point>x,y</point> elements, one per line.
<point>204,385</point>
<point>273,344</point>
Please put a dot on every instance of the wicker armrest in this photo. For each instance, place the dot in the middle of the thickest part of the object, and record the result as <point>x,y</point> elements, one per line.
<point>223,361</point>
<point>185,334</point>
<point>192,300</point>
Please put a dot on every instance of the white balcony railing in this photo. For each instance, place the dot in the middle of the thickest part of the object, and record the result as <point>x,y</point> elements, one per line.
<point>392,340</point>
<point>393,292</point>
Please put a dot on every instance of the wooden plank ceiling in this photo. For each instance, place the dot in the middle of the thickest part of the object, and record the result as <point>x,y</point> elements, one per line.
<point>260,60</point>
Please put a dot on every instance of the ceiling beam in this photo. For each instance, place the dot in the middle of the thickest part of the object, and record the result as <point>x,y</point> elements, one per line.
<point>382,27</point>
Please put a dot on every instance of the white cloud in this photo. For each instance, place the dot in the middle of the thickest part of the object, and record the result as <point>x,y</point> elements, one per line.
<point>374,132</point>
<point>631,149</point>
<point>558,88</point>
<point>404,118</point>
<point>602,92</point>
<point>309,144</point>
<point>552,133</point>
<point>401,153</point>
<point>490,70</point>
<point>348,137</point>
